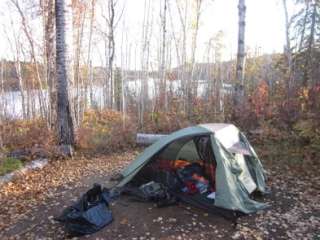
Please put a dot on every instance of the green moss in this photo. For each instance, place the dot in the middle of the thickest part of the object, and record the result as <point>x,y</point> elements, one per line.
<point>9,164</point>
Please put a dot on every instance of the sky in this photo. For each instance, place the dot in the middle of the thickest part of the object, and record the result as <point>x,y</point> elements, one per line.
<point>264,24</point>
<point>264,29</point>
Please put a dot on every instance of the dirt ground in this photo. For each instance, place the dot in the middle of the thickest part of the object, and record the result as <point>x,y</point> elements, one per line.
<point>29,204</point>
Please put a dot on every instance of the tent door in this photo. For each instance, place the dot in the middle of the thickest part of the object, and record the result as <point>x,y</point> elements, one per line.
<point>245,176</point>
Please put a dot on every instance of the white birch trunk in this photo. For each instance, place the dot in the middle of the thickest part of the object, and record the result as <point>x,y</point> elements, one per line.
<point>28,34</point>
<point>49,37</point>
<point>185,80</point>
<point>89,62</point>
<point>239,89</point>
<point>288,46</point>
<point>162,70</point>
<point>145,54</point>
<point>64,117</point>
<point>194,81</point>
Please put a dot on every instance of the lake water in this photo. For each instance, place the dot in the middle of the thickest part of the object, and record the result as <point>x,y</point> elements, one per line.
<point>11,102</point>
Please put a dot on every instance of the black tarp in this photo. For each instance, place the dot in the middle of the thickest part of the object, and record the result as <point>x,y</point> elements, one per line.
<point>89,214</point>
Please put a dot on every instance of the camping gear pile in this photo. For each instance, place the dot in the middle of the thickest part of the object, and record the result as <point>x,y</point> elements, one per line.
<point>190,178</point>
<point>193,178</point>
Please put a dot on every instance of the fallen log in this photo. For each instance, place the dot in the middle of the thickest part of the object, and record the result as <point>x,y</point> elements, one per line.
<point>35,164</point>
<point>148,139</point>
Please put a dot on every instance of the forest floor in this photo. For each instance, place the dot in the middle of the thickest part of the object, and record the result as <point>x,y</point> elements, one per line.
<point>29,204</point>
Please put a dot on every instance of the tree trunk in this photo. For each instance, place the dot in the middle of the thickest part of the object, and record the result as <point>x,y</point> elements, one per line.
<point>307,76</point>
<point>21,87</point>
<point>27,32</point>
<point>79,15</point>
<point>89,62</point>
<point>194,81</point>
<point>162,70</point>
<point>49,36</point>
<point>185,85</point>
<point>145,54</point>
<point>239,87</point>
<point>111,50</point>
<point>117,89</point>
<point>16,48</point>
<point>288,46</point>
<point>2,80</point>
<point>148,139</point>
<point>64,119</point>
<point>304,25</point>
<point>2,101</point>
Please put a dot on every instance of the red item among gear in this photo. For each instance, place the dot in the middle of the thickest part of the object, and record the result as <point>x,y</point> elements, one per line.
<point>192,188</point>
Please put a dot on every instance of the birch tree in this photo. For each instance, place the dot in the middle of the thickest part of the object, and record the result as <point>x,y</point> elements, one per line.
<point>287,49</point>
<point>28,33</point>
<point>183,14</point>
<point>65,129</point>
<point>3,104</point>
<point>311,42</point>
<point>162,70</point>
<point>78,18</point>
<point>2,101</point>
<point>109,52</point>
<point>15,47</point>
<point>89,61</point>
<point>111,49</point>
<point>306,24</point>
<point>145,60</point>
<point>240,68</point>
<point>195,26</point>
<point>114,14</point>
<point>49,46</point>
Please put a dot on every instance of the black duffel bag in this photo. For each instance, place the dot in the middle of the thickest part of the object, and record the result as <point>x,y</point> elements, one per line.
<point>90,214</point>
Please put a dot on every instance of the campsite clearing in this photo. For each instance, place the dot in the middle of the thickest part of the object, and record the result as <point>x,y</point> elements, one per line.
<point>29,205</point>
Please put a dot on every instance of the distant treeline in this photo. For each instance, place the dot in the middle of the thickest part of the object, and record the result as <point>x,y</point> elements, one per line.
<point>258,68</point>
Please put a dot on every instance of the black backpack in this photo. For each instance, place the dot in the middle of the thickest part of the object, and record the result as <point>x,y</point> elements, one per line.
<point>90,214</point>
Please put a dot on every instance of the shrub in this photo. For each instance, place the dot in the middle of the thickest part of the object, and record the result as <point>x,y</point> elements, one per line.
<point>105,131</point>
<point>24,134</point>
<point>9,164</point>
<point>164,122</point>
<point>309,131</point>
<point>308,125</point>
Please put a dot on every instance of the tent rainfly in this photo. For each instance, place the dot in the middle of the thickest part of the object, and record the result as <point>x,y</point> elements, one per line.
<point>238,170</point>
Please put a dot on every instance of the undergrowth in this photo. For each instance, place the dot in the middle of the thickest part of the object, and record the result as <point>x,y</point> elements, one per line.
<point>105,131</point>
<point>288,131</point>
<point>24,134</point>
<point>9,164</point>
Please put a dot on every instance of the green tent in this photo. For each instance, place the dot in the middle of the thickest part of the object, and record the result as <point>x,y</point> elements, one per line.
<point>238,169</point>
